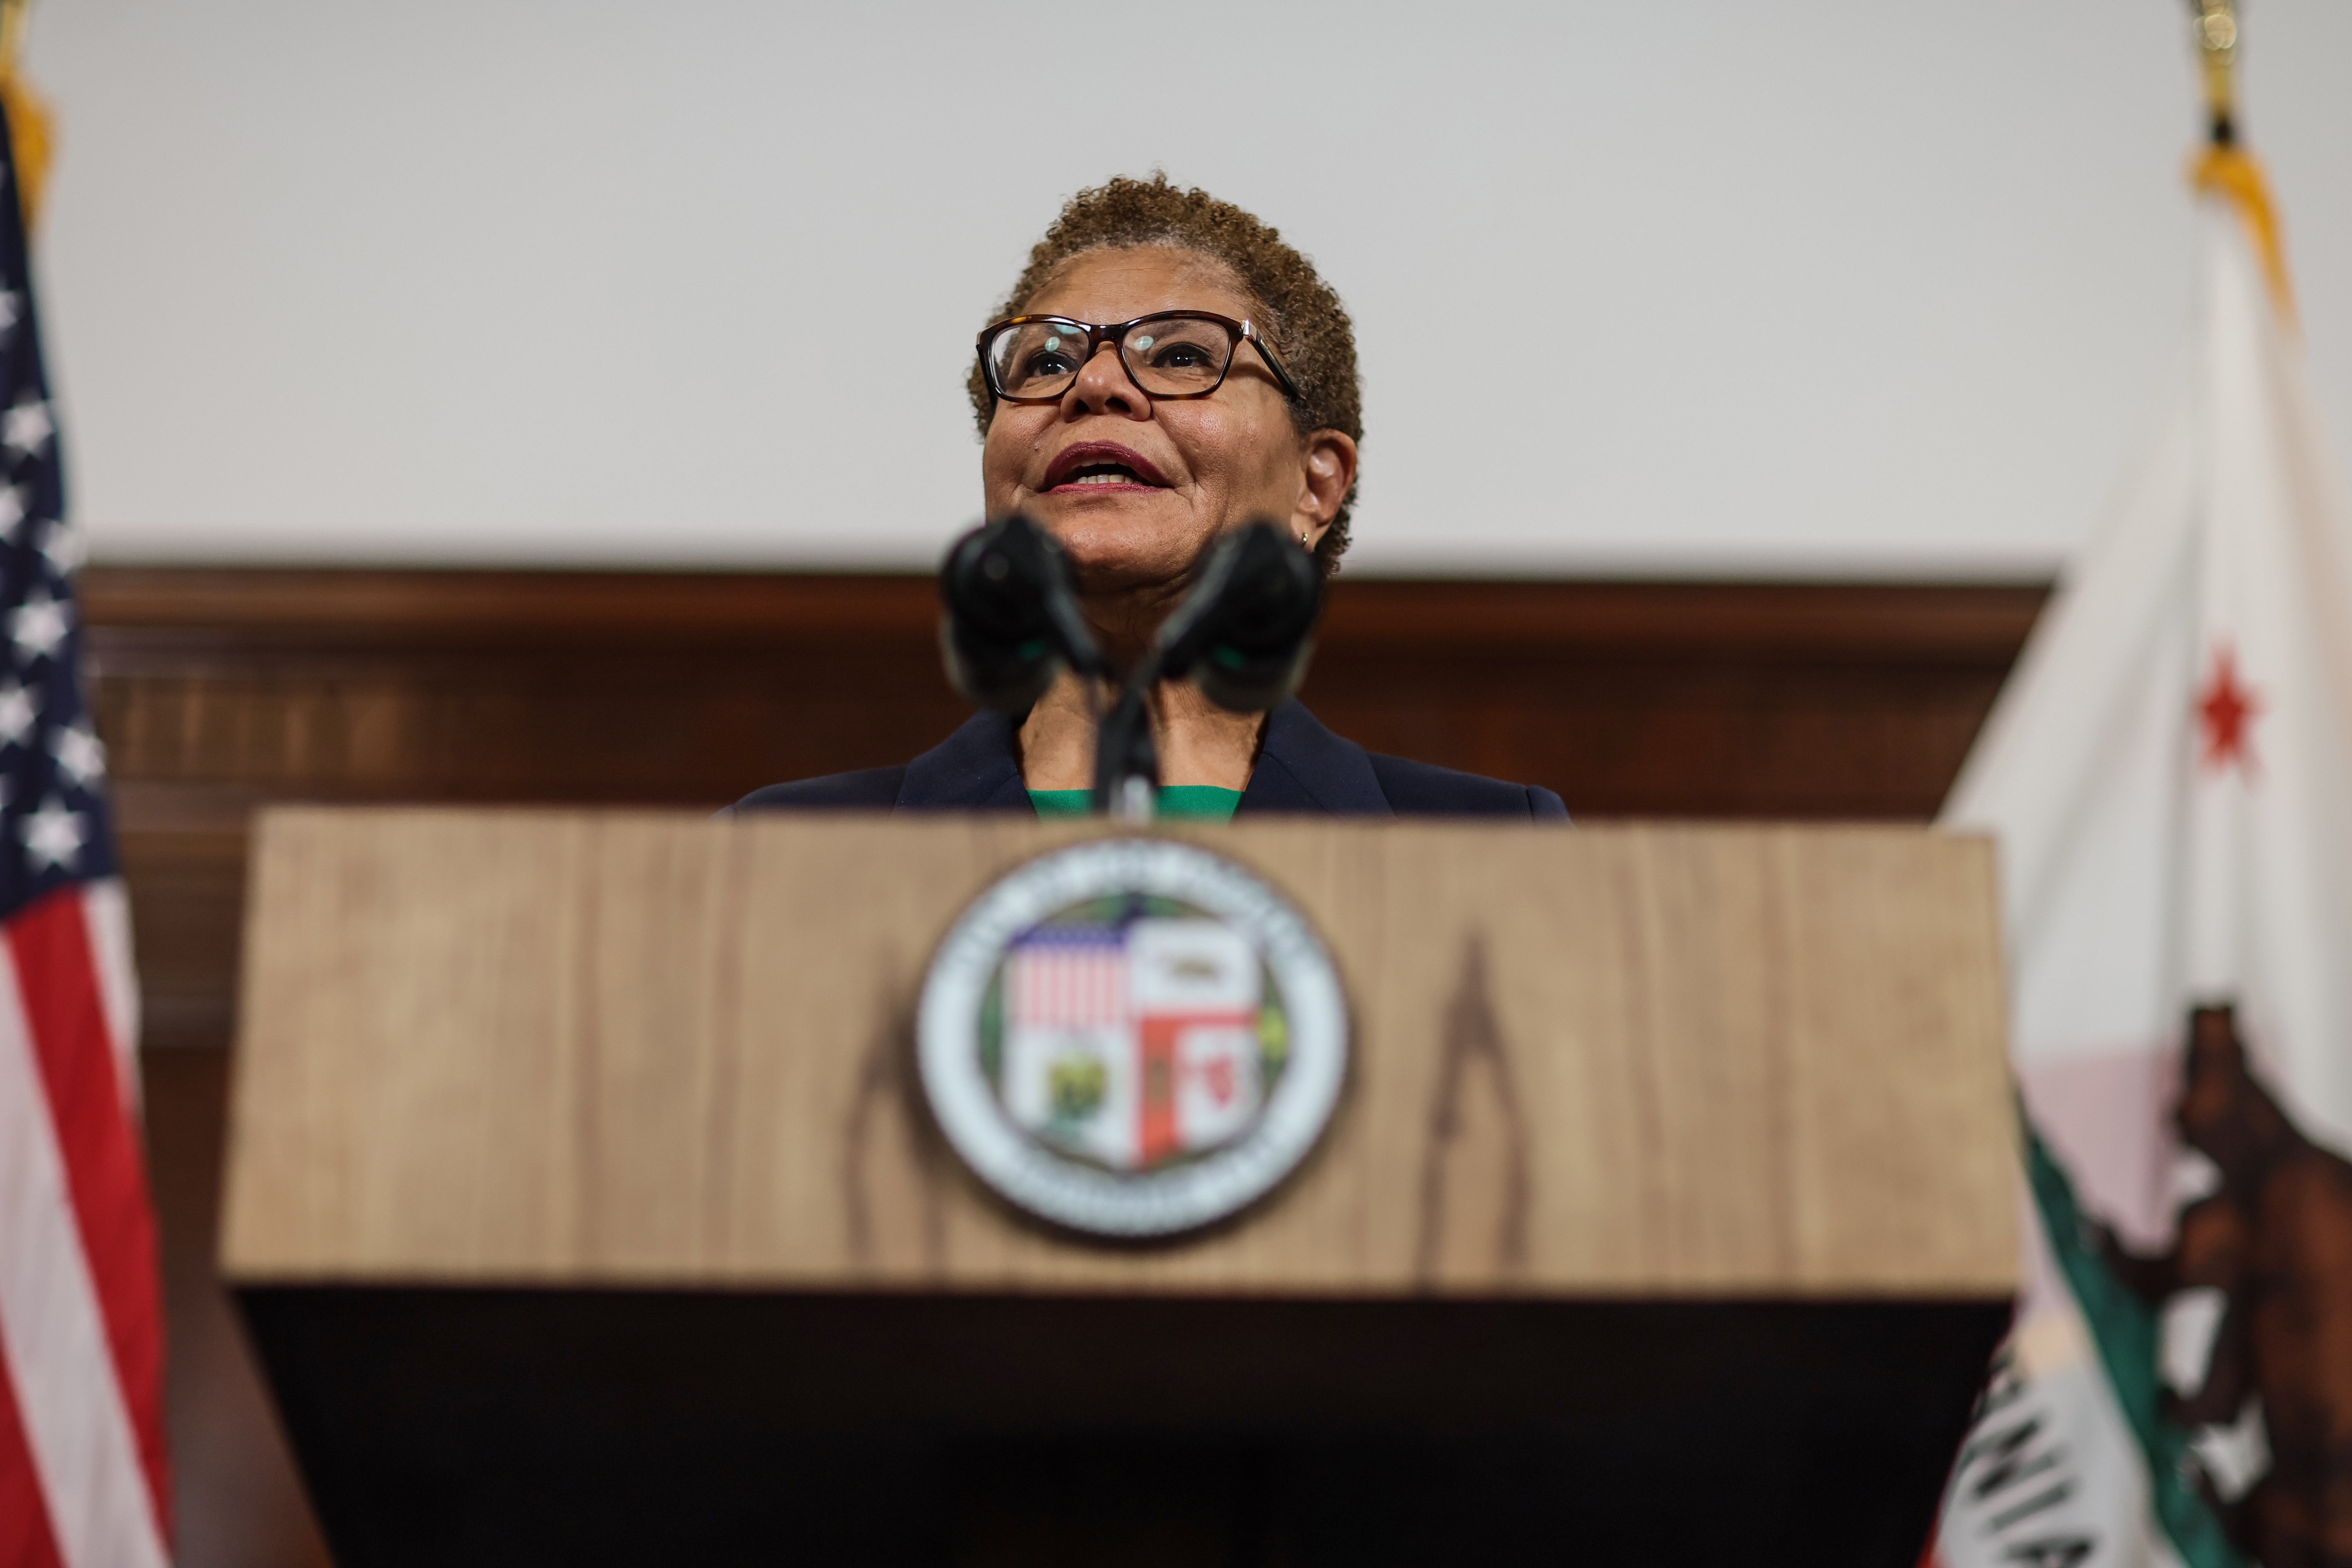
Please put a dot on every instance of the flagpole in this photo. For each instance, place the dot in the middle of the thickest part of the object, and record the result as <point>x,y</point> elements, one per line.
<point>2225,168</point>
<point>2217,42</point>
<point>28,117</point>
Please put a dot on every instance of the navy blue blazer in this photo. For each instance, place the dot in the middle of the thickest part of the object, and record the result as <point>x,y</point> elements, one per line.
<point>1302,767</point>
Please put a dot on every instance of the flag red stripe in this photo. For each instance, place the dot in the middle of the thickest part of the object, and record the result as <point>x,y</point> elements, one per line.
<point>1074,985</point>
<point>26,1538</point>
<point>57,976</point>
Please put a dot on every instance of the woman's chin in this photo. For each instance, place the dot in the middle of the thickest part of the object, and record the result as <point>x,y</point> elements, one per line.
<point>1110,544</point>
<point>1075,511</point>
<point>1113,506</point>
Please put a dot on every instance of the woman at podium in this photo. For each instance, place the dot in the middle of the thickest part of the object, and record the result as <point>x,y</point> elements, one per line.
<point>1164,371</point>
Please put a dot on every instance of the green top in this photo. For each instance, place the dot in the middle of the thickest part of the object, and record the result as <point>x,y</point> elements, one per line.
<point>1205,803</point>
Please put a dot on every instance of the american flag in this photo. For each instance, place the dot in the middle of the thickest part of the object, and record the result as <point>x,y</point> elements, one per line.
<point>1069,979</point>
<point>83,1480</point>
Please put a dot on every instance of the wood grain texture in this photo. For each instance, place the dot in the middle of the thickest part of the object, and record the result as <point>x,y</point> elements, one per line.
<point>544,1047</point>
<point>219,691</point>
<point>221,688</point>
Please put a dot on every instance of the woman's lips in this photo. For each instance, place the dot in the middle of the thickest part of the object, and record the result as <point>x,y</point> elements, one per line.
<point>1068,475</point>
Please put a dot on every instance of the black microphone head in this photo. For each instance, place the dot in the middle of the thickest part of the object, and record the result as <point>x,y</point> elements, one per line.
<point>1010,621</point>
<point>1246,632</point>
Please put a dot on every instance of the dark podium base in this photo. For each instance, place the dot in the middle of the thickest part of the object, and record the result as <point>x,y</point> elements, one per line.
<point>454,1427</point>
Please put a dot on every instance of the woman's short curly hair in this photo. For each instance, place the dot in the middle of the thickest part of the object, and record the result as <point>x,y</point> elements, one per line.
<point>1309,327</point>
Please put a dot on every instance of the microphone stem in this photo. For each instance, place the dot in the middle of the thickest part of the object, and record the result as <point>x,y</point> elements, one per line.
<point>1135,803</point>
<point>1126,763</point>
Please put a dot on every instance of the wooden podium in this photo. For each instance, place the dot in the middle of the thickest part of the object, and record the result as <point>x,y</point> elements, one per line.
<point>583,1208</point>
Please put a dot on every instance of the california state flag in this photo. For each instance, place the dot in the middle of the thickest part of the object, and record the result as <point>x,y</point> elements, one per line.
<point>2169,776</point>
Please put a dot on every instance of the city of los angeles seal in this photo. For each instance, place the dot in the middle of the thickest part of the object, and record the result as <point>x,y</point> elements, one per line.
<point>1132,1036</point>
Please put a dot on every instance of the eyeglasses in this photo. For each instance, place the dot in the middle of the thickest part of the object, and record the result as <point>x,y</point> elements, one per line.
<point>1169,353</point>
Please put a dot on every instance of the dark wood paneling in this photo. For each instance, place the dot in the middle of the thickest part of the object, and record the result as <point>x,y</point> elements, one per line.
<point>1678,699</point>
<point>222,689</point>
<point>237,1501</point>
<point>1031,1428</point>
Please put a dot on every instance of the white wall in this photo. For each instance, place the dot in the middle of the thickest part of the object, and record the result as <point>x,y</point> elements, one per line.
<point>1702,286</point>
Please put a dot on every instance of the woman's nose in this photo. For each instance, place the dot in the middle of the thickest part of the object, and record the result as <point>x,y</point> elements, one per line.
<point>1103,386</point>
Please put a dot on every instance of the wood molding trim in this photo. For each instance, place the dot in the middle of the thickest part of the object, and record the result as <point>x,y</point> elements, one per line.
<point>1936,622</point>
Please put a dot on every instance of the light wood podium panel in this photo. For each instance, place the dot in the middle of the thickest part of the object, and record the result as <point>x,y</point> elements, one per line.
<point>543,1047</point>
<point>583,1206</point>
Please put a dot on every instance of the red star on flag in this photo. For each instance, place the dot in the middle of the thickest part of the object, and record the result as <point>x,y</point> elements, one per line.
<point>2226,708</point>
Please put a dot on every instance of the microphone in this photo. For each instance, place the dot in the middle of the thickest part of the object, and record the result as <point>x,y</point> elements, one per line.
<point>1245,631</point>
<point>1009,620</point>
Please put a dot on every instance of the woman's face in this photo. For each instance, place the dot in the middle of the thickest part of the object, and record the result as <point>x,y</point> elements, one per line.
<point>1132,487</point>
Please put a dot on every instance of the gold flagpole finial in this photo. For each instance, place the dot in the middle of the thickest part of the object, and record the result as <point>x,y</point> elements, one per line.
<point>2224,168</point>
<point>28,117</point>
<point>2217,44</point>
